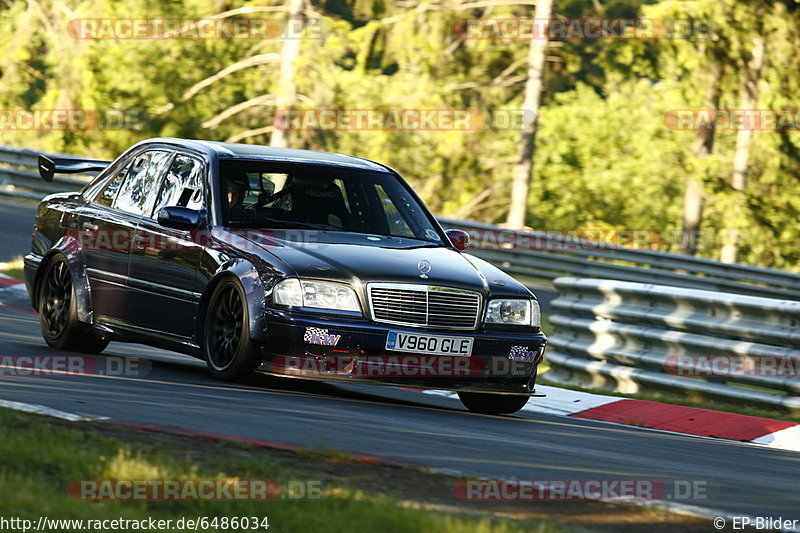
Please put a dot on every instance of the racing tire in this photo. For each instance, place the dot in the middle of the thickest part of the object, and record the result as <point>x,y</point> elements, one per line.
<point>227,348</point>
<point>492,404</point>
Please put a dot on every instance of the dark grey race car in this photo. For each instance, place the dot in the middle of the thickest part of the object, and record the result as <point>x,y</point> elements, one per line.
<point>289,262</point>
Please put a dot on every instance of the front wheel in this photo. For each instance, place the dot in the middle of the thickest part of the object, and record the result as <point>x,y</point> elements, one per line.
<point>229,352</point>
<point>58,312</point>
<point>492,404</point>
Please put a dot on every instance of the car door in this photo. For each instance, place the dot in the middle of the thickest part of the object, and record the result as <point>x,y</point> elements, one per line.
<point>163,272</point>
<point>104,233</point>
<point>108,258</point>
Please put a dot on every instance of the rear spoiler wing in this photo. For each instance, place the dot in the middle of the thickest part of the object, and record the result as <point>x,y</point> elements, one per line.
<point>49,166</point>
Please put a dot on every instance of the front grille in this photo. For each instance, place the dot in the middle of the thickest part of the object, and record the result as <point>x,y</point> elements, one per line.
<point>421,305</point>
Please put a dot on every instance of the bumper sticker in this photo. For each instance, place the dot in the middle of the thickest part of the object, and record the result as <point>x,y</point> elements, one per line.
<point>320,336</point>
<point>522,354</point>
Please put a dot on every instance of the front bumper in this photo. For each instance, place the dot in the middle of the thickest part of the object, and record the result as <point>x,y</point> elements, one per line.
<point>325,347</point>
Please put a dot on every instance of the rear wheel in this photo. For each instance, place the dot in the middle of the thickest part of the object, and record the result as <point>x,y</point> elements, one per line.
<point>229,352</point>
<point>492,404</point>
<point>58,312</point>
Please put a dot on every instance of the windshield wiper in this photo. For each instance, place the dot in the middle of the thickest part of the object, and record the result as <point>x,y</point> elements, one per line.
<point>313,225</point>
<point>426,245</point>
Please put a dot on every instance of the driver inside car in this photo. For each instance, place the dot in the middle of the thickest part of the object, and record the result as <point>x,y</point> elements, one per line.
<point>237,188</point>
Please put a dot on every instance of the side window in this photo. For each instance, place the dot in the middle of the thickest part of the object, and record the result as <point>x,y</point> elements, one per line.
<point>183,184</point>
<point>108,192</point>
<point>139,187</point>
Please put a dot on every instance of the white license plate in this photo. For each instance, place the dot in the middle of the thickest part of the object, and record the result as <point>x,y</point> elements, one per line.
<point>429,344</point>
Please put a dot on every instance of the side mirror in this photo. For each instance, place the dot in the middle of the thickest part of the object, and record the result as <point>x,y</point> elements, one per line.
<point>177,217</point>
<point>459,238</point>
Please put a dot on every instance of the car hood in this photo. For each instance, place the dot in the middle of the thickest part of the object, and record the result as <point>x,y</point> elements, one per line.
<point>360,259</point>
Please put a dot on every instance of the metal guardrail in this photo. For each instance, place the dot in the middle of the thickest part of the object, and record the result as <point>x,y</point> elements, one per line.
<point>634,337</point>
<point>549,255</point>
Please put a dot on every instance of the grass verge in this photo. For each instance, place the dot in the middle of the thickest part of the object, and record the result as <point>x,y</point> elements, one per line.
<point>13,268</point>
<point>41,456</point>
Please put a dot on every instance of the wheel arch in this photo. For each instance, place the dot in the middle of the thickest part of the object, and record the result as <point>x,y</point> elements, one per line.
<point>69,248</point>
<point>252,282</point>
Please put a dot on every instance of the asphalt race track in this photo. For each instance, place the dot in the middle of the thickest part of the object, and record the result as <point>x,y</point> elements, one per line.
<point>396,424</point>
<point>16,224</point>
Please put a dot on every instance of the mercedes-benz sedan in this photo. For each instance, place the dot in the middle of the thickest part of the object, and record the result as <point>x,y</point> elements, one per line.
<point>288,262</point>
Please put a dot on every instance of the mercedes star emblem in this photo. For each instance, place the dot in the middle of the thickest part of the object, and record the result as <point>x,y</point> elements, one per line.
<point>424,267</point>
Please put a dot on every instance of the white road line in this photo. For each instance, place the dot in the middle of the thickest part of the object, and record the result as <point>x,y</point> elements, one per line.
<point>566,402</point>
<point>47,411</point>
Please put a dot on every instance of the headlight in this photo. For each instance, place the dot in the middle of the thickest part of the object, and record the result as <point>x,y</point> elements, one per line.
<point>321,294</point>
<point>514,312</point>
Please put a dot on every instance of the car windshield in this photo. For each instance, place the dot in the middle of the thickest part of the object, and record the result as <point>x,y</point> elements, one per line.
<point>260,194</point>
